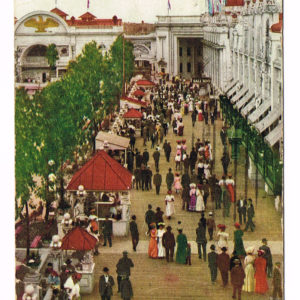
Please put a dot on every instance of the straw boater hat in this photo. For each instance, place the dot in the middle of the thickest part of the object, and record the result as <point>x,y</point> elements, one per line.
<point>67,216</point>
<point>210,213</point>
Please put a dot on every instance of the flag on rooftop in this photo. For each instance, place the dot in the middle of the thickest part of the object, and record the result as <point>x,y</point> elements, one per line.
<point>169,5</point>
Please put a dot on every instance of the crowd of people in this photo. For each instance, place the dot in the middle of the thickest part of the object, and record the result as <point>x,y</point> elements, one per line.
<point>194,180</point>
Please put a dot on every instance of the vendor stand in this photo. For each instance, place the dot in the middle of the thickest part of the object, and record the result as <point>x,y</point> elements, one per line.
<point>112,142</point>
<point>128,103</point>
<point>80,240</point>
<point>134,117</point>
<point>110,184</point>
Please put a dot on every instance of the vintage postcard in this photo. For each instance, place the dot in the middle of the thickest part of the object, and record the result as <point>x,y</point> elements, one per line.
<point>148,149</point>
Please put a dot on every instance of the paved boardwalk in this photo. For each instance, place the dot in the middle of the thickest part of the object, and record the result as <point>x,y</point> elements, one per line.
<point>155,279</point>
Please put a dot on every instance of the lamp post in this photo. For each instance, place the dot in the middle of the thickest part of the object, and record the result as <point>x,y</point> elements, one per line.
<point>235,138</point>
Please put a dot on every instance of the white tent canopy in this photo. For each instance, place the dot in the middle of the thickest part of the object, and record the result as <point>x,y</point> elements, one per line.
<point>115,142</point>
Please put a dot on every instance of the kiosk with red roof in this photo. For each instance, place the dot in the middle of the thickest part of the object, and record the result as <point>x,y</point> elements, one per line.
<point>109,183</point>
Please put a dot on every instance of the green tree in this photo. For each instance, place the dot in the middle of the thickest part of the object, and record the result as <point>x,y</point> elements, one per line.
<point>25,154</point>
<point>52,57</point>
<point>116,61</point>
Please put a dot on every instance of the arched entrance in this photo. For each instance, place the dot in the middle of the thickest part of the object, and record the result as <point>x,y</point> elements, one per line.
<point>143,60</point>
<point>34,64</point>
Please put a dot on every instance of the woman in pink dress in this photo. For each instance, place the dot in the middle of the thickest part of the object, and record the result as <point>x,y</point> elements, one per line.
<point>193,197</point>
<point>177,183</point>
<point>152,249</point>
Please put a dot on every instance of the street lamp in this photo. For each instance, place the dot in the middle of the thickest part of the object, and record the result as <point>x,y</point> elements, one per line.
<point>235,139</point>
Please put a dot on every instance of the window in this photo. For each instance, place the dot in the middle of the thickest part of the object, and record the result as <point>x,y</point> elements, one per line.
<point>188,51</point>
<point>199,68</point>
<point>180,51</point>
<point>199,51</point>
<point>180,68</point>
<point>188,67</point>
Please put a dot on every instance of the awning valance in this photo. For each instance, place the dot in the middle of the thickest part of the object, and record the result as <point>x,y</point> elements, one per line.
<point>233,90</point>
<point>259,111</point>
<point>246,110</point>
<point>268,120</point>
<point>275,135</point>
<point>244,100</point>
<point>230,86</point>
<point>239,94</point>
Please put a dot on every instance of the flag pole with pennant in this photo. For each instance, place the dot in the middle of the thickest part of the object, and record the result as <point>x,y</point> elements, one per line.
<point>88,4</point>
<point>169,6</point>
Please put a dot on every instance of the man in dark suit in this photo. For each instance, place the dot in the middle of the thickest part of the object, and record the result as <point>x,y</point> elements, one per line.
<point>201,240</point>
<point>123,267</point>
<point>193,159</point>
<point>107,231</point>
<point>138,177</point>
<point>134,232</point>
<point>149,216</point>
<point>225,161</point>
<point>168,151</point>
<point>168,241</point>
<point>242,210</point>
<point>223,262</point>
<point>157,180</point>
<point>106,282</point>
<point>250,216</point>
<point>156,156</point>
<point>145,157</point>
<point>169,179</point>
<point>138,159</point>
<point>212,264</point>
<point>268,256</point>
<point>237,278</point>
<point>223,136</point>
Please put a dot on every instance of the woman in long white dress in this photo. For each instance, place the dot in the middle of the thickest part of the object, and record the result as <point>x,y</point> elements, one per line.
<point>161,248</point>
<point>249,270</point>
<point>169,200</point>
<point>222,236</point>
<point>200,206</point>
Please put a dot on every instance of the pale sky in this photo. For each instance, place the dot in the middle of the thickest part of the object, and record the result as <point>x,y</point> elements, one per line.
<point>128,10</point>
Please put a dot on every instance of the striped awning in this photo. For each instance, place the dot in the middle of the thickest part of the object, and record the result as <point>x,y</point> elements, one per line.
<point>230,85</point>
<point>246,110</point>
<point>238,95</point>
<point>244,100</point>
<point>259,111</point>
<point>266,122</point>
<point>275,135</point>
<point>232,91</point>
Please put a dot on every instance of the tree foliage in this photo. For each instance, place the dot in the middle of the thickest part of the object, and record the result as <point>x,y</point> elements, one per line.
<point>52,55</point>
<point>66,115</point>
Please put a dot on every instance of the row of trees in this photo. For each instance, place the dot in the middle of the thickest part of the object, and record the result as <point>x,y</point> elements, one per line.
<point>58,121</point>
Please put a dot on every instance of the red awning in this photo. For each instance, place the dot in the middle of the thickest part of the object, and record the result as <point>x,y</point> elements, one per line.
<point>78,239</point>
<point>145,82</point>
<point>138,93</point>
<point>132,113</point>
<point>101,173</point>
<point>135,101</point>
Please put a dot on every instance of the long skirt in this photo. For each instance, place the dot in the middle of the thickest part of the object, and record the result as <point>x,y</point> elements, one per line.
<point>249,279</point>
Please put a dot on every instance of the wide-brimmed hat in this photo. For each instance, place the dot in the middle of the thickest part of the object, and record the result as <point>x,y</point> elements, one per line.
<point>250,250</point>
<point>221,226</point>
<point>237,225</point>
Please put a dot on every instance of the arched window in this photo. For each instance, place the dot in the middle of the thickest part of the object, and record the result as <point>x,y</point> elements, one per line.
<point>38,50</point>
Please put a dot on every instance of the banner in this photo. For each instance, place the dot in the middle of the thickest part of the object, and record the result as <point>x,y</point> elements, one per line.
<point>211,7</point>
